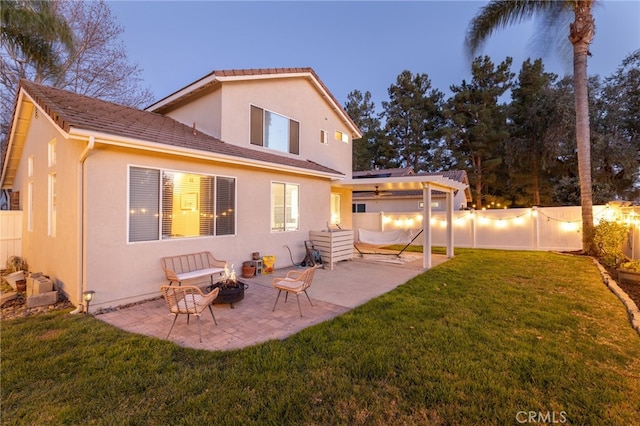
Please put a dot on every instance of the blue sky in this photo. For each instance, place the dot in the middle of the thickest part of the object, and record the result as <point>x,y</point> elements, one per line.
<point>351,45</point>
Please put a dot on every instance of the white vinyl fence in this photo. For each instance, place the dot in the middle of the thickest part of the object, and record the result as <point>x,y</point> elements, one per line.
<point>10,235</point>
<point>542,228</point>
<point>538,228</point>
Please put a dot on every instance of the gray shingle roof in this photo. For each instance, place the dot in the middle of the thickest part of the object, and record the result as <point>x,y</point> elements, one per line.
<point>71,110</point>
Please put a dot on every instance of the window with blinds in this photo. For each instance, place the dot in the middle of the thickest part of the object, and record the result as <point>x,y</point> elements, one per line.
<point>167,204</point>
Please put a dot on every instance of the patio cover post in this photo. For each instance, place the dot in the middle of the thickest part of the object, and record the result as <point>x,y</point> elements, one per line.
<point>426,226</point>
<point>449,201</point>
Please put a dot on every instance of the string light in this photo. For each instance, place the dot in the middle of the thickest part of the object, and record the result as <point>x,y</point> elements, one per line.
<point>485,218</point>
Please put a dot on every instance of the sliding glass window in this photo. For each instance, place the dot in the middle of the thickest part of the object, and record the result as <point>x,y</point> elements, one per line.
<point>169,204</point>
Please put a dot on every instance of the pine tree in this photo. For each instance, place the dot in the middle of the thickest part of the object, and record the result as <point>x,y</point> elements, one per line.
<point>477,130</point>
<point>413,120</point>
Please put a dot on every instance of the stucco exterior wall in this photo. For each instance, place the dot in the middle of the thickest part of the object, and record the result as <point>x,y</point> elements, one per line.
<point>56,256</point>
<point>226,113</point>
<point>121,272</point>
<point>204,111</point>
<point>345,207</point>
<point>294,98</point>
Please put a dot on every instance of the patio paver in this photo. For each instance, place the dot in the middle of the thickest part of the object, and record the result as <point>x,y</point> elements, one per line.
<point>252,320</point>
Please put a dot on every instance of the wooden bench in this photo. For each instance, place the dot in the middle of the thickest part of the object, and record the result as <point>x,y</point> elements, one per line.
<point>192,265</point>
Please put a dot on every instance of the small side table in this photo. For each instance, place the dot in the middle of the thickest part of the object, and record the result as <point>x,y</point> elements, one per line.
<point>258,265</point>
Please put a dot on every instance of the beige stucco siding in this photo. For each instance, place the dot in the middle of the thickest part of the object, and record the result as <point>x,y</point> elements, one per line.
<point>225,113</point>
<point>203,111</point>
<point>295,99</point>
<point>55,256</point>
<point>345,207</point>
<point>121,272</point>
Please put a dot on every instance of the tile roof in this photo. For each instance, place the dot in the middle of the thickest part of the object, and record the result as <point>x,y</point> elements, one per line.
<point>71,110</point>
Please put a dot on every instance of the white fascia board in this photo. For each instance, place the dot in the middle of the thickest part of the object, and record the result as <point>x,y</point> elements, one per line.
<point>108,139</point>
<point>9,146</point>
<point>402,183</point>
<point>24,96</point>
<point>182,92</point>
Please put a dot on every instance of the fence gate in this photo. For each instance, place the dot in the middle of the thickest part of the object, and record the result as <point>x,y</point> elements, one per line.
<point>10,235</point>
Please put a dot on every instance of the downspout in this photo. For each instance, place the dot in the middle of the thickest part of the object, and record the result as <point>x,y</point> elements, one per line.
<point>83,157</point>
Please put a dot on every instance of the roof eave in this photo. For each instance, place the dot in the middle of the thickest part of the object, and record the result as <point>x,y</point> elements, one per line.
<point>109,139</point>
<point>402,183</point>
<point>23,101</point>
<point>197,85</point>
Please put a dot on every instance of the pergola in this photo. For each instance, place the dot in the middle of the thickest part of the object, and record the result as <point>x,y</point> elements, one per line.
<point>407,183</point>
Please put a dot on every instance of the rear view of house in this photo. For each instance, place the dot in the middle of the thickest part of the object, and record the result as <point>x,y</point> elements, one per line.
<point>237,162</point>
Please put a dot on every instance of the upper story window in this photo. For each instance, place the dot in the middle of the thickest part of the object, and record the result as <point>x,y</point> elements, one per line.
<point>341,136</point>
<point>165,204</point>
<point>274,131</point>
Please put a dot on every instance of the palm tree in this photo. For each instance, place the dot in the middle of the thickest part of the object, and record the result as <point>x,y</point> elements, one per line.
<point>33,27</point>
<point>499,14</point>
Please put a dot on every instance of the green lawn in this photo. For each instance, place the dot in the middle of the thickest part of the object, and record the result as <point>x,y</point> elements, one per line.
<point>485,338</point>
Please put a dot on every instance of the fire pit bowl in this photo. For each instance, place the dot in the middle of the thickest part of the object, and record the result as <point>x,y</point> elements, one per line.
<point>229,292</point>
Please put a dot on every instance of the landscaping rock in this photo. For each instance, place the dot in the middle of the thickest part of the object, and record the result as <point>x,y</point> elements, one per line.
<point>48,298</point>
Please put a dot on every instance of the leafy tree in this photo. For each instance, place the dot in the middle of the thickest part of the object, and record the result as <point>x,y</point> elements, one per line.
<point>530,150</point>
<point>413,119</point>
<point>32,28</point>
<point>362,111</point>
<point>32,36</point>
<point>616,131</point>
<point>477,131</point>
<point>96,66</point>
<point>502,13</point>
<point>563,172</point>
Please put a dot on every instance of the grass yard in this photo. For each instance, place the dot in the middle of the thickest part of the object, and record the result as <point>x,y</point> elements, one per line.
<point>490,337</point>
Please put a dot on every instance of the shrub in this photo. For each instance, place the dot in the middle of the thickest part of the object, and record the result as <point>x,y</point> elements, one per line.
<point>609,237</point>
<point>632,265</point>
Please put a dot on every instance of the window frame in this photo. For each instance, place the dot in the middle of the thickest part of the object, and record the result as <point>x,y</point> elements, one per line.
<point>164,173</point>
<point>336,208</point>
<point>355,207</point>
<point>339,135</point>
<point>296,208</point>
<point>324,137</point>
<point>52,153</point>
<point>259,134</point>
<point>52,204</point>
